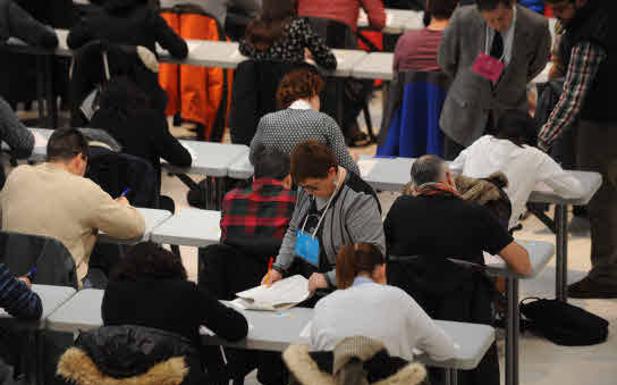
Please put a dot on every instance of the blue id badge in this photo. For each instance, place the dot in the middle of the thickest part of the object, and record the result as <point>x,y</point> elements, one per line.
<point>307,247</point>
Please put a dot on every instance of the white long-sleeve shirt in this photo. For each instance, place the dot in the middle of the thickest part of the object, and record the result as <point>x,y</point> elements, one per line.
<point>382,312</point>
<point>524,166</point>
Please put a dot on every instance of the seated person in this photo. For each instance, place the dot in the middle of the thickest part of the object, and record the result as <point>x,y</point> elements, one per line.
<point>278,34</point>
<point>254,220</point>
<point>218,8</point>
<point>359,306</point>
<point>299,119</point>
<point>417,50</point>
<point>511,151</point>
<point>55,200</point>
<point>334,208</point>
<point>16,22</point>
<point>345,11</point>
<point>19,301</point>
<point>12,132</point>
<point>434,224</point>
<point>150,288</point>
<point>130,22</point>
<point>142,131</point>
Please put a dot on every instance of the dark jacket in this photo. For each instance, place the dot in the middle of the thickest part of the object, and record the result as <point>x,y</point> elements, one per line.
<point>591,25</point>
<point>130,22</point>
<point>134,354</point>
<point>143,133</point>
<point>174,305</point>
<point>253,96</point>
<point>15,22</point>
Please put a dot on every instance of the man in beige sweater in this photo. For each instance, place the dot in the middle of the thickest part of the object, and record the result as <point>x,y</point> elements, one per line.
<point>54,199</point>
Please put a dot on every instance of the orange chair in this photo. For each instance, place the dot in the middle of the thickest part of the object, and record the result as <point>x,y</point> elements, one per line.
<point>201,95</point>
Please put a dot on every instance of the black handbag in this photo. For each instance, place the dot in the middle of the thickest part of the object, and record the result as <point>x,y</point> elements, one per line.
<point>564,324</point>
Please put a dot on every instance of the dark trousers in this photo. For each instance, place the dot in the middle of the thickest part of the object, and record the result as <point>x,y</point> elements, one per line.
<point>597,151</point>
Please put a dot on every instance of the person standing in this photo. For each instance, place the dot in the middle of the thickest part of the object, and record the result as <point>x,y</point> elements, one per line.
<point>587,96</point>
<point>491,50</point>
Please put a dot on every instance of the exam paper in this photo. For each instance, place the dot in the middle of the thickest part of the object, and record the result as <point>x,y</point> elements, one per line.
<point>283,294</point>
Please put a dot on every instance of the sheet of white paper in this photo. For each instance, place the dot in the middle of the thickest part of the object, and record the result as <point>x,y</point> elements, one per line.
<point>306,332</point>
<point>292,290</point>
<point>3,313</point>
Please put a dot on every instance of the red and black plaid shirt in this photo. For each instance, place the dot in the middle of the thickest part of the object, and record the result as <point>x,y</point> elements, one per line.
<point>260,211</point>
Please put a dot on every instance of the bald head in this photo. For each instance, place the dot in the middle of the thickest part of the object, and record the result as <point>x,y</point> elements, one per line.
<point>428,169</point>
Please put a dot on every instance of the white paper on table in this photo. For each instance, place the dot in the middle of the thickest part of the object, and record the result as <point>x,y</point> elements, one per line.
<point>306,331</point>
<point>3,312</point>
<point>39,140</point>
<point>191,151</point>
<point>492,260</point>
<point>282,294</point>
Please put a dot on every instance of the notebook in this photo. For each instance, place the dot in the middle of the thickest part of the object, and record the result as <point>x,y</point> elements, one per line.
<point>281,295</point>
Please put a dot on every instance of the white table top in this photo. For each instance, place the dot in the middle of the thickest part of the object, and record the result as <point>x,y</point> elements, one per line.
<point>392,174</point>
<point>209,158</point>
<point>397,20</point>
<point>153,218</point>
<point>274,331</point>
<point>375,65</point>
<point>540,254</point>
<point>81,312</point>
<point>241,168</point>
<point>190,227</point>
<point>52,297</point>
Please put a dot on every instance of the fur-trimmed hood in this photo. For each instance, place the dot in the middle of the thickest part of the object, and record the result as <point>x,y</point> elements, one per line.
<point>350,365</point>
<point>78,368</point>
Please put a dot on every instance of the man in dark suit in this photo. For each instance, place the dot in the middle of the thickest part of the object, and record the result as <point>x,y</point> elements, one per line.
<point>498,33</point>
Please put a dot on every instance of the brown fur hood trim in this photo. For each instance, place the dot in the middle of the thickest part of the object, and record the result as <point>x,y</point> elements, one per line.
<point>77,367</point>
<point>481,191</point>
<point>306,371</point>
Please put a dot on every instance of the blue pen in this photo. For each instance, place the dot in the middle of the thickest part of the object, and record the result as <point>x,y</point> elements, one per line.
<point>32,273</point>
<point>125,191</point>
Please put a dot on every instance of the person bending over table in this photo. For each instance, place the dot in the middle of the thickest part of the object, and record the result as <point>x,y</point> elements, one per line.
<point>512,152</point>
<point>334,208</point>
<point>299,119</point>
<point>54,199</point>
<point>434,224</point>
<point>359,306</point>
<point>150,288</point>
<point>16,22</point>
<point>20,302</point>
<point>279,35</point>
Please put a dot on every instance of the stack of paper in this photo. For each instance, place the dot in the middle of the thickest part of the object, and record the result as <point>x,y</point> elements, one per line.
<point>281,295</point>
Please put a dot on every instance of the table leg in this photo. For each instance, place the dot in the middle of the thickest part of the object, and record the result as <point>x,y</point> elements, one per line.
<point>561,239</point>
<point>512,331</point>
<point>451,376</point>
<point>52,102</point>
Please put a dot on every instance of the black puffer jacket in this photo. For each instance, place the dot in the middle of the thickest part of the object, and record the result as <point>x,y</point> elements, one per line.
<point>15,22</point>
<point>135,354</point>
<point>129,22</point>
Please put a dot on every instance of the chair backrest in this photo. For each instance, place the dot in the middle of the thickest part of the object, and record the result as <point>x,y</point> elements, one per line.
<point>410,125</point>
<point>335,33</point>
<point>54,264</point>
<point>253,96</point>
<point>115,171</point>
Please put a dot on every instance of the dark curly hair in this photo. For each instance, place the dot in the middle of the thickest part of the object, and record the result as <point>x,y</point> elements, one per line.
<point>297,84</point>
<point>149,260</point>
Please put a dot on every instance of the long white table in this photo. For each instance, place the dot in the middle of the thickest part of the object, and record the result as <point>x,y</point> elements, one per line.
<point>190,227</point>
<point>397,20</point>
<point>209,158</point>
<point>52,297</point>
<point>152,217</point>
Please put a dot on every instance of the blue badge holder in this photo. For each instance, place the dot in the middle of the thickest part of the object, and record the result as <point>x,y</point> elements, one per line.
<point>307,248</point>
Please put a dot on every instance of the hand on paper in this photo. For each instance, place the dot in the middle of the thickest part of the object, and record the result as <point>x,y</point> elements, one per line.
<point>271,277</point>
<point>26,280</point>
<point>317,281</point>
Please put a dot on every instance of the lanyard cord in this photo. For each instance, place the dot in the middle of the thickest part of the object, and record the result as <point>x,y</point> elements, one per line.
<point>322,214</point>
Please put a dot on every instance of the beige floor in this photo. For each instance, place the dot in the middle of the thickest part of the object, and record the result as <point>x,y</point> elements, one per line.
<point>541,362</point>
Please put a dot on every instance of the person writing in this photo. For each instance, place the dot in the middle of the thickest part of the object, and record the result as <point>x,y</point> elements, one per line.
<point>334,208</point>
<point>358,308</point>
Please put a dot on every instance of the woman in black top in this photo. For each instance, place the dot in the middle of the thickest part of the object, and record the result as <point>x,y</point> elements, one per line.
<point>142,131</point>
<point>130,22</point>
<point>279,35</point>
<point>150,288</point>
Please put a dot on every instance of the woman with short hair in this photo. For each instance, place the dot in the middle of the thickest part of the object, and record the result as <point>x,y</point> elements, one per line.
<point>299,119</point>
<point>334,208</point>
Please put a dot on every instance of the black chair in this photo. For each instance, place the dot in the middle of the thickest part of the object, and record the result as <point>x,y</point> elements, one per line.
<point>53,262</point>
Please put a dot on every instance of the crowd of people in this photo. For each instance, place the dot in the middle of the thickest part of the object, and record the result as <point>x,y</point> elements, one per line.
<point>307,210</point>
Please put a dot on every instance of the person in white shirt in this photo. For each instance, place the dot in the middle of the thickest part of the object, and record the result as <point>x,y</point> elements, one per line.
<point>511,153</point>
<point>365,305</point>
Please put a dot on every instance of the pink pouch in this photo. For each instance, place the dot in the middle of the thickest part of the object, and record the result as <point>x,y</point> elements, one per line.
<point>488,67</point>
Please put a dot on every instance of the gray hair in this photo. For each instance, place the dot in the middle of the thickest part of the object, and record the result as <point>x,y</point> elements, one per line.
<point>427,169</point>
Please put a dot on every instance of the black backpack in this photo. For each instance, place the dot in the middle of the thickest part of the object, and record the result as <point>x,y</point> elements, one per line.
<point>564,324</point>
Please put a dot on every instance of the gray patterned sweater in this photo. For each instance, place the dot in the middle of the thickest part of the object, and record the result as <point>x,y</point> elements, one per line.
<point>285,129</point>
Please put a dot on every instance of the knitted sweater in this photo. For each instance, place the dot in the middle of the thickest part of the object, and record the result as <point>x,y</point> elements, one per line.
<point>287,128</point>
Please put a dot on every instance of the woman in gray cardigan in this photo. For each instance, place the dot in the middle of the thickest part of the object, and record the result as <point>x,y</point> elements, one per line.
<point>300,119</point>
<point>334,208</point>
